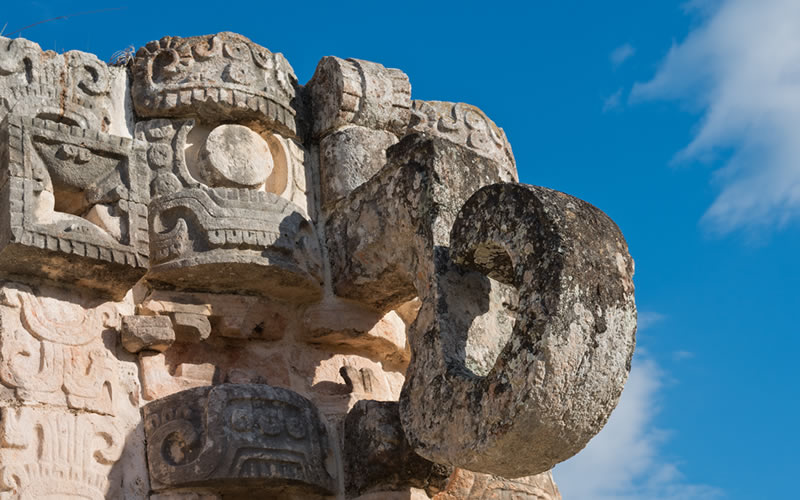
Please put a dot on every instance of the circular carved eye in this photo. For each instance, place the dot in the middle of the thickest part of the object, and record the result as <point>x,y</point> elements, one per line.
<point>270,422</point>
<point>235,156</point>
<point>238,51</point>
<point>241,420</point>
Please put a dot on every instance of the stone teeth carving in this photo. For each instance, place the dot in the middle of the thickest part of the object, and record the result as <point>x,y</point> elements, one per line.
<point>345,92</point>
<point>49,454</point>
<point>238,436</point>
<point>75,203</point>
<point>230,240</point>
<point>74,88</point>
<point>559,376</point>
<point>468,126</point>
<point>220,78</point>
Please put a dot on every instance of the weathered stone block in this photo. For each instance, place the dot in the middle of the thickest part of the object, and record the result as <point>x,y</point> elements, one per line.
<point>357,92</point>
<point>349,157</point>
<point>220,78</point>
<point>377,456</point>
<point>238,437</point>
<point>147,332</point>
<point>467,126</point>
<point>74,204</point>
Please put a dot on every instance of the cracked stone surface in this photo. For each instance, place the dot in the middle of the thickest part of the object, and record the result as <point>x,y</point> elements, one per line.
<point>219,284</point>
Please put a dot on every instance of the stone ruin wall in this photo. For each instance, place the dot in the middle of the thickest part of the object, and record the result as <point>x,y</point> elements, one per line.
<point>220,284</point>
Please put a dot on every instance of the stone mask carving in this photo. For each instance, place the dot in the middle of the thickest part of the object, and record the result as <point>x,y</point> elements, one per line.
<point>242,287</point>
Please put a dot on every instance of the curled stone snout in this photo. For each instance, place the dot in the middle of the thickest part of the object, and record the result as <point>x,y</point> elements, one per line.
<point>561,371</point>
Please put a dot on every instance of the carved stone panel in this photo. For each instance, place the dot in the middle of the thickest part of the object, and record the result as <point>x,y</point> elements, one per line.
<point>220,78</point>
<point>74,204</point>
<point>238,436</point>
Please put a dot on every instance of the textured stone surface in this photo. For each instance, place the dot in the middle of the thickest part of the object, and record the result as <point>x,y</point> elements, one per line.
<point>352,91</point>
<point>468,126</point>
<point>257,263</point>
<point>217,77</point>
<point>559,376</point>
<point>378,457</point>
<point>234,437</point>
<point>350,156</point>
<point>147,332</point>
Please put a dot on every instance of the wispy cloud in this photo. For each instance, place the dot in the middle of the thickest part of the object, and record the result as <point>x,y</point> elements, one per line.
<point>624,461</point>
<point>646,319</point>
<point>613,101</point>
<point>741,66</point>
<point>621,54</point>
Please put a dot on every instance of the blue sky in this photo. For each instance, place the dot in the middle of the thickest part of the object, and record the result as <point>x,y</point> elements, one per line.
<point>680,120</point>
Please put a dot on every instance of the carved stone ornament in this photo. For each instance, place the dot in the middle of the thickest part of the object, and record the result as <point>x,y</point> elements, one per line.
<point>219,284</point>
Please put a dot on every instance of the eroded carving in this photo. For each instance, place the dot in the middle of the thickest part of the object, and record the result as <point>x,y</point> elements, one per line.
<point>232,436</point>
<point>222,77</point>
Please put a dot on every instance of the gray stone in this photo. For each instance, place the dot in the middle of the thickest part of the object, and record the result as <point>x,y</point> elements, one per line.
<point>235,437</point>
<point>559,376</point>
<point>191,327</point>
<point>235,156</point>
<point>345,92</point>
<point>468,126</point>
<point>75,205</point>
<point>220,78</point>
<point>378,457</point>
<point>147,332</point>
<point>349,157</point>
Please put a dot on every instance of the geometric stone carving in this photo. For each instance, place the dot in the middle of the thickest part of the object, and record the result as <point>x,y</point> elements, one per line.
<point>377,456</point>
<point>147,332</point>
<point>52,454</point>
<point>559,376</point>
<point>75,205</point>
<point>356,92</point>
<point>219,78</point>
<point>235,437</point>
<point>468,126</point>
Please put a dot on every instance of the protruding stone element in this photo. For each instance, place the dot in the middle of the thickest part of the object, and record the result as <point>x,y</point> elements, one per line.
<point>230,240</point>
<point>235,156</point>
<point>74,204</point>
<point>147,332</point>
<point>191,327</point>
<point>220,78</point>
<point>376,234</point>
<point>349,157</point>
<point>468,126</point>
<point>466,485</point>
<point>236,438</point>
<point>345,92</point>
<point>559,376</point>
<point>377,456</point>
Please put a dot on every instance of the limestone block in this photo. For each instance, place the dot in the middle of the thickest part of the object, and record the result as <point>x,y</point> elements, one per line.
<point>357,92</point>
<point>349,157</point>
<point>147,332</point>
<point>238,438</point>
<point>74,204</point>
<point>219,78</point>
<point>561,372</point>
<point>73,88</point>
<point>377,456</point>
<point>466,485</point>
<point>235,156</point>
<point>334,322</point>
<point>468,126</point>
<point>375,234</point>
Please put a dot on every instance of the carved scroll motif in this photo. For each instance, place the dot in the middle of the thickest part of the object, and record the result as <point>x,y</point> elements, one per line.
<point>52,454</point>
<point>52,352</point>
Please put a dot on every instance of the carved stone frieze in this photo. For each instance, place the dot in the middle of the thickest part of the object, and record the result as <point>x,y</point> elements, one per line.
<point>219,78</point>
<point>75,205</point>
<point>238,436</point>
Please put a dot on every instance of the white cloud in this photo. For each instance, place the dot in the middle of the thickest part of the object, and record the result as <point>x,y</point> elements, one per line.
<point>624,462</point>
<point>621,54</point>
<point>646,319</point>
<point>741,66</point>
<point>613,101</point>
